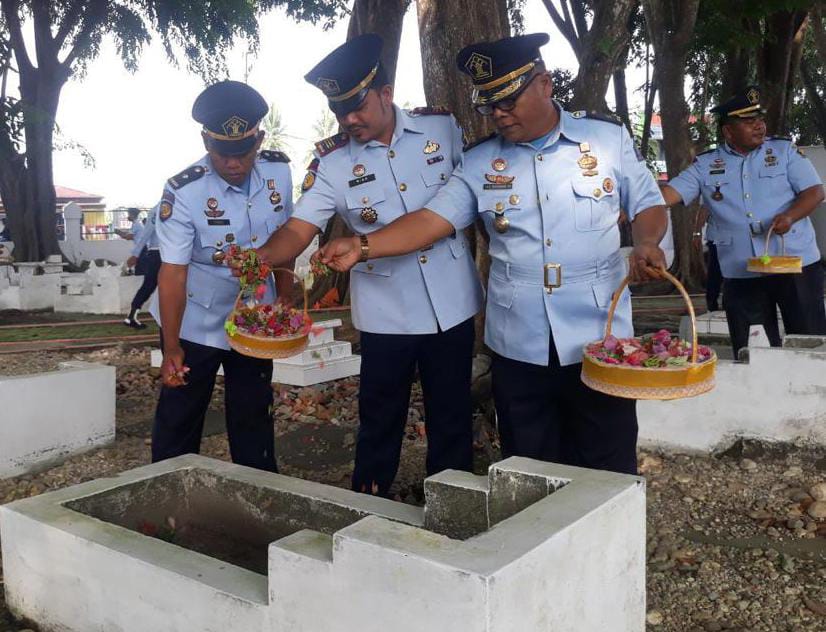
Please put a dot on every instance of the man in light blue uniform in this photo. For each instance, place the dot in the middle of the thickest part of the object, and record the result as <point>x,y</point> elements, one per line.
<point>233,195</point>
<point>146,262</point>
<point>413,311</point>
<point>751,183</point>
<point>549,189</point>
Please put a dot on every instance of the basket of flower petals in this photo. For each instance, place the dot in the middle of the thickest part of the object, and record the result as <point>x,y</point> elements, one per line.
<point>775,264</point>
<point>653,366</point>
<point>264,330</point>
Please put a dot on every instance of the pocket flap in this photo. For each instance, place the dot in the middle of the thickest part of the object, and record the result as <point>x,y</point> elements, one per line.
<point>716,179</point>
<point>457,245</point>
<point>594,188</point>
<point>364,195</point>
<point>200,294</point>
<point>500,202</point>
<point>603,293</point>
<point>772,171</point>
<point>722,239</point>
<point>380,267</point>
<point>435,175</point>
<point>501,292</point>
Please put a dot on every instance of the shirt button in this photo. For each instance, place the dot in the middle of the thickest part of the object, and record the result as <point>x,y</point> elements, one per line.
<point>597,192</point>
<point>402,187</point>
<point>254,238</point>
<point>442,176</point>
<point>365,200</point>
<point>499,206</point>
<point>747,196</point>
<point>219,243</point>
<point>539,157</point>
<point>745,176</point>
<point>391,153</point>
<point>514,199</point>
<point>189,294</point>
<point>749,214</point>
<point>423,259</point>
<point>548,242</point>
<point>369,266</point>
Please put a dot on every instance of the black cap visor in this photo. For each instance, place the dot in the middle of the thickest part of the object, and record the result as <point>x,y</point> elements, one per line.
<point>232,147</point>
<point>343,108</point>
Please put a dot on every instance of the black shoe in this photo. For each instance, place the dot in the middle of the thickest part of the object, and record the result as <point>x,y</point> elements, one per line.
<point>134,323</point>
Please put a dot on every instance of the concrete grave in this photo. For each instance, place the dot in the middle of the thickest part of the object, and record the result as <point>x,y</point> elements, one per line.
<point>778,394</point>
<point>323,360</point>
<point>99,290</point>
<point>197,545</point>
<point>49,416</point>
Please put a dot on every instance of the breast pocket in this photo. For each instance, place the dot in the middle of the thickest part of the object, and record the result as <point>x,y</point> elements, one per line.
<point>496,207</point>
<point>376,267</point>
<point>365,209</point>
<point>213,237</point>
<point>596,204</point>
<point>435,175</point>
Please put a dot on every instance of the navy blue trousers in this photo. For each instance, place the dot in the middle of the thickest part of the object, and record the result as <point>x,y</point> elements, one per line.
<point>150,265</point>
<point>388,368</point>
<point>179,417</point>
<point>548,413</point>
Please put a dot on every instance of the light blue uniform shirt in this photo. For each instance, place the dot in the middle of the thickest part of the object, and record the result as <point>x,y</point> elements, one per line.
<point>201,214</point>
<point>561,208</point>
<point>148,236</point>
<point>754,188</point>
<point>417,293</point>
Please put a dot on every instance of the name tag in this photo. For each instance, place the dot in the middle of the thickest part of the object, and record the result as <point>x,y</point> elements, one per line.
<point>362,180</point>
<point>218,222</point>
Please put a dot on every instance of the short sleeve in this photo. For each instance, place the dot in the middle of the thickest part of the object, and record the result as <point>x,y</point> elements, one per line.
<point>801,172</point>
<point>458,140</point>
<point>146,233</point>
<point>175,230</point>
<point>455,201</point>
<point>638,189</point>
<point>289,206</point>
<point>687,183</point>
<point>317,203</point>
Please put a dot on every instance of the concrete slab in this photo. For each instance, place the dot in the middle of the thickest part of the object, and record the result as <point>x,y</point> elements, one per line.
<point>50,416</point>
<point>779,394</point>
<point>80,559</point>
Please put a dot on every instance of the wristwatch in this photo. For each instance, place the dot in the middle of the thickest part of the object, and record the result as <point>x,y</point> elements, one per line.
<point>365,248</point>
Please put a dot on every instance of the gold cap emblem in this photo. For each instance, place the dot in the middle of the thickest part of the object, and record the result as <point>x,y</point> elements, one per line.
<point>753,96</point>
<point>479,66</point>
<point>235,126</point>
<point>328,86</point>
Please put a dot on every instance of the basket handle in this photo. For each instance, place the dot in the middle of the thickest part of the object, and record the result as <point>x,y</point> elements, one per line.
<point>782,242</point>
<point>667,275</point>
<point>272,272</point>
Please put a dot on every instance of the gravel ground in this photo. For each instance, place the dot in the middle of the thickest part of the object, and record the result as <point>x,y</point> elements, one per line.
<point>733,540</point>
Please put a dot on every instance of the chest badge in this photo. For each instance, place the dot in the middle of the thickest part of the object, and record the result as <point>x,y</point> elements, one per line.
<point>771,161</point>
<point>431,147</point>
<point>499,164</point>
<point>496,178</point>
<point>271,184</point>
<point>501,223</point>
<point>212,204</point>
<point>369,215</point>
<point>275,197</point>
<point>717,196</point>
<point>309,181</point>
<point>769,151</point>
<point>587,162</point>
<point>278,209</point>
<point>584,148</point>
<point>608,185</point>
<point>229,238</point>
<point>359,170</point>
<point>213,213</point>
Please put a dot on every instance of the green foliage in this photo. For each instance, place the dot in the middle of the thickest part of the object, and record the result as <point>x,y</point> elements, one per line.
<point>273,124</point>
<point>563,81</point>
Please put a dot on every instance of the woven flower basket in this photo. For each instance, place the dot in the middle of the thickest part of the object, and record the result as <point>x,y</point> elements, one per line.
<point>639,382</point>
<point>268,347</point>
<point>775,264</point>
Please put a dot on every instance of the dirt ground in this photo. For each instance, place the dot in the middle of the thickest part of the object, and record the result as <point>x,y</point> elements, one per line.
<point>731,542</point>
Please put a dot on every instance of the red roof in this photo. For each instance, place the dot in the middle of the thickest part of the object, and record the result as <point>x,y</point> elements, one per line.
<point>65,193</point>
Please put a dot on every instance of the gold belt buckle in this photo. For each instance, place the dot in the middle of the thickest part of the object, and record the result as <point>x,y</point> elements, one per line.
<point>556,267</point>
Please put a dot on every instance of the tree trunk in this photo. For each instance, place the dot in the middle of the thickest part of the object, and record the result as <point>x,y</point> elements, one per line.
<point>445,27</point>
<point>385,18</point>
<point>600,49</point>
<point>621,96</point>
<point>776,65</point>
<point>671,28</point>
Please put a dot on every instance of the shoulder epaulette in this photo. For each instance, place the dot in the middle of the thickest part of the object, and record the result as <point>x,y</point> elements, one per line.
<point>274,156</point>
<point>597,116</point>
<point>424,111</point>
<point>707,151</point>
<point>328,145</point>
<point>186,176</point>
<point>478,141</point>
<point>779,138</point>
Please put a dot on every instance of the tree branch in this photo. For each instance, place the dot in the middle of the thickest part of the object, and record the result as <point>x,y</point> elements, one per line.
<point>578,8</point>
<point>565,25</point>
<point>90,19</point>
<point>70,21</point>
<point>10,14</point>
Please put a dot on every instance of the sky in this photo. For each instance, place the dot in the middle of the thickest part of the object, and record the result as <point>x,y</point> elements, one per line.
<point>139,130</point>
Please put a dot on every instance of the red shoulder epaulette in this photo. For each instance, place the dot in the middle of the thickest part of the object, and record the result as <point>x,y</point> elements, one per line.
<point>328,145</point>
<point>436,109</point>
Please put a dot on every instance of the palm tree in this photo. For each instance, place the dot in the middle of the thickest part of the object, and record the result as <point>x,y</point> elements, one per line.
<point>325,126</point>
<point>276,138</point>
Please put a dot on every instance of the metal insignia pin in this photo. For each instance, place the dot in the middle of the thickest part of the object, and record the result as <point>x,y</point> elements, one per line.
<point>212,203</point>
<point>218,257</point>
<point>271,184</point>
<point>369,215</point>
<point>717,195</point>
<point>275,197</point>
<point>499,164</point>
<point>608,185</point>
<point>359,170</point>
<point>584,148</point>
<point>587,162</point>
<point>229,238</point>
<point>501,224</point>
<point>431,147</point>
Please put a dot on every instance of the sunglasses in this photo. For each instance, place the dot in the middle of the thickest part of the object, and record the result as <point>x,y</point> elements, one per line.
<point>506,105</point>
